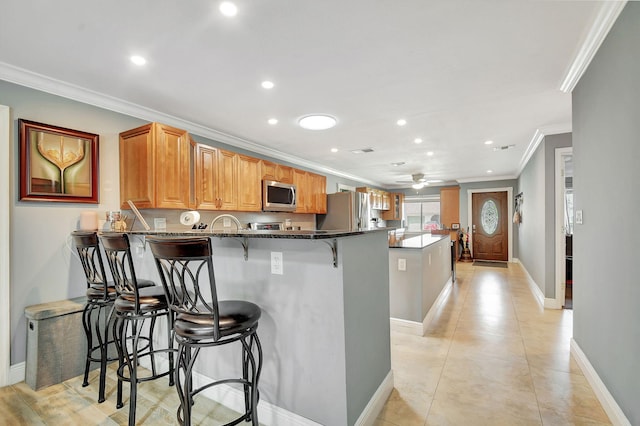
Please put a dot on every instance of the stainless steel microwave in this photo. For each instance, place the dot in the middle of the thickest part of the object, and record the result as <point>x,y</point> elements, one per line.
<point>278,196</point>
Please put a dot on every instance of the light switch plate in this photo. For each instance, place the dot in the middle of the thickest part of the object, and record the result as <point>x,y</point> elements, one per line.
<point>402,264</point>
<point>579,217</point>
<point>276,263</point>
<point>226,222</point>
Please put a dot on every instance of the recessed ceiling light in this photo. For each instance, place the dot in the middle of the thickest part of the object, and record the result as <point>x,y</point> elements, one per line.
<point>334,149</point>
<point>228,9</point>
<point>489,171</point>
<point>429,153</point>
<point>267,84</point>
<point>401,122</point>
<point>138,60</point>
<point>317,122</point>
<point>417,140</point>
<point>272,121</point>
<point>488,142</point>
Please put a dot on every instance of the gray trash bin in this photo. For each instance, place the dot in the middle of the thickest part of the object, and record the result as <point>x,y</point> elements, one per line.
<point>56,343</point>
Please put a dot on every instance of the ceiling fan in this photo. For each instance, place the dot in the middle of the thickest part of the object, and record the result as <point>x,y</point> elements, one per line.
<point>418,181</point>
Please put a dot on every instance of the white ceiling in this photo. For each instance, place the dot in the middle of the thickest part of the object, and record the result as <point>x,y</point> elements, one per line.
<point>460,72</point>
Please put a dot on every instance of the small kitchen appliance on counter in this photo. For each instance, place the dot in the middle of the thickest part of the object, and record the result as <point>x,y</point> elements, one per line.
<point>266,226</point>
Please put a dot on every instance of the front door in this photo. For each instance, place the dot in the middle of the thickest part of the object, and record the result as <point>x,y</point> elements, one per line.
<point>490,226</point>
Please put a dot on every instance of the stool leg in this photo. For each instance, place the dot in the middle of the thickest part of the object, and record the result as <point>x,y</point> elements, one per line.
<point>255,393</point>
<point>120,340</point>
<point>189,359</point>
<point>179,388</point>
<point>170,343</point>
<point>86,323</point>
<point>133,372</point>
<point>103,351</point>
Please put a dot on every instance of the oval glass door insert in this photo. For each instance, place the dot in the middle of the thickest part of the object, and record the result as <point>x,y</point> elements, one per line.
<point>489,217</point>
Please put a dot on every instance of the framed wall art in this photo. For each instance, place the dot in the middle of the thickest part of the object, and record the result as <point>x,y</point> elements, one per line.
<point>57,164</point>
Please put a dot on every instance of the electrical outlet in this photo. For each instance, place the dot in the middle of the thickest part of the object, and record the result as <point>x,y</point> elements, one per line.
<point>276,263</point>
<point>226,222</point>
<point>402,264</point>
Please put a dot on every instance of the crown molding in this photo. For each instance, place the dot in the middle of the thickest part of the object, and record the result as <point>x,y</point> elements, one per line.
<point>487,178</point>
<point>66,90</point>
<point>604,20</point>
<point>537,139</point>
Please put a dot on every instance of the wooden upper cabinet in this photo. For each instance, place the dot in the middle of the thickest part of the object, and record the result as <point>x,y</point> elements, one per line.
<point>227,184</point>
<point>396,207</point>
<point>206,177</point>
<point>277,172</point>
<point>300,180</point>
<point>449,205</point>
<point>155,167</point>
<point>318,189</point>
<point>249,184</point>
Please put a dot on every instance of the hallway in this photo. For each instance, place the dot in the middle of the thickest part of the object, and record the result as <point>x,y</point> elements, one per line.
<point>491,356</point>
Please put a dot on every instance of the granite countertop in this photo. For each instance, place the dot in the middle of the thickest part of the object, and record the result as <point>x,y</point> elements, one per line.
<point>291,234</point>
<point>418,242</point>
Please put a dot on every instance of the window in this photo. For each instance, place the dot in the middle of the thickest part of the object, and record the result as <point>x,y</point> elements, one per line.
<point>422,214</point>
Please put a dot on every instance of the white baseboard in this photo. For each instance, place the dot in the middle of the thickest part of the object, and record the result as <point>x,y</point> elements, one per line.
<point>610,406</point>
<point>17,373</point>
<point>535,289</point>
<point>417,328</point>
<point>376,403</point>
<point>272,415</point>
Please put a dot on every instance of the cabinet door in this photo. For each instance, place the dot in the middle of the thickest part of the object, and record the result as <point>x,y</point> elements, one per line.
<point>268,170</point>
<point>449,206</point>
<point>249,184</point>
<point>318,189</point>
<point>172,168</point>
<point>136,167</point>
<point>284,173</point>
<point>396,202</point>
<point>302,190</point>
<point>206,169</point>
<point>227,184</point>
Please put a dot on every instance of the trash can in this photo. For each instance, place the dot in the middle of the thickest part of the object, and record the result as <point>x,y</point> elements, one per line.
<point>56,343</point>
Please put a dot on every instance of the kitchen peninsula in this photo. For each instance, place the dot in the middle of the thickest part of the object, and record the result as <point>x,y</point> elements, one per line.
<point>419,274</point>
<point>325,319</point>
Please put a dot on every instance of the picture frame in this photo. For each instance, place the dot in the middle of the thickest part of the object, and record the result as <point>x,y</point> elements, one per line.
<point>455,226</point>
<point>57,164</point>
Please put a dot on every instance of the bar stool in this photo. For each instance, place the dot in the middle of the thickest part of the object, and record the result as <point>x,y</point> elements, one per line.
<point>100,297</point>
<point>186,271</point>
<point>132,307</point>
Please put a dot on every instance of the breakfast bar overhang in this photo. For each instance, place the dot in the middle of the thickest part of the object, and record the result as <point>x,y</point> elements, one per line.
<point>325,320</point>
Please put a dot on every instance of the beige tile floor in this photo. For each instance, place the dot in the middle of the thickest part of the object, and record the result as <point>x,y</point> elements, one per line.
<point>492,356</point>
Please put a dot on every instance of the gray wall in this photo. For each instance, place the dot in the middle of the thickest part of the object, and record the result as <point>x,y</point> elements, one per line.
<point>43,266</point>
<point>606,151</point>
<point>536,233</point>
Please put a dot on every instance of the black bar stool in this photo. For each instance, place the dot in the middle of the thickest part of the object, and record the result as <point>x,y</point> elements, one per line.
<point>186,270</point>
<point>133,306</point>
<point>100,297</point>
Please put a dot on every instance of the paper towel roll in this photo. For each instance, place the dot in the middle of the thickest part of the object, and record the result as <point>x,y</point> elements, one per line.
<point>88,221</point>
<point>189,218</point>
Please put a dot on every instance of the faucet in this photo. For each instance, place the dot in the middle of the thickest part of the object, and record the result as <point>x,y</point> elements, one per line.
<point>230,216</point>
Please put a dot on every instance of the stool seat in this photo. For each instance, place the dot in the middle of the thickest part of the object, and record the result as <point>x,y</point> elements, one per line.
<point>149,299</point>
<point>234,316</point>
<point>96,293</point>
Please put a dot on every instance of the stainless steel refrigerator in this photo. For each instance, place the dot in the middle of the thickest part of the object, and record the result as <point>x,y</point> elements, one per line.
<point>346,211</point>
